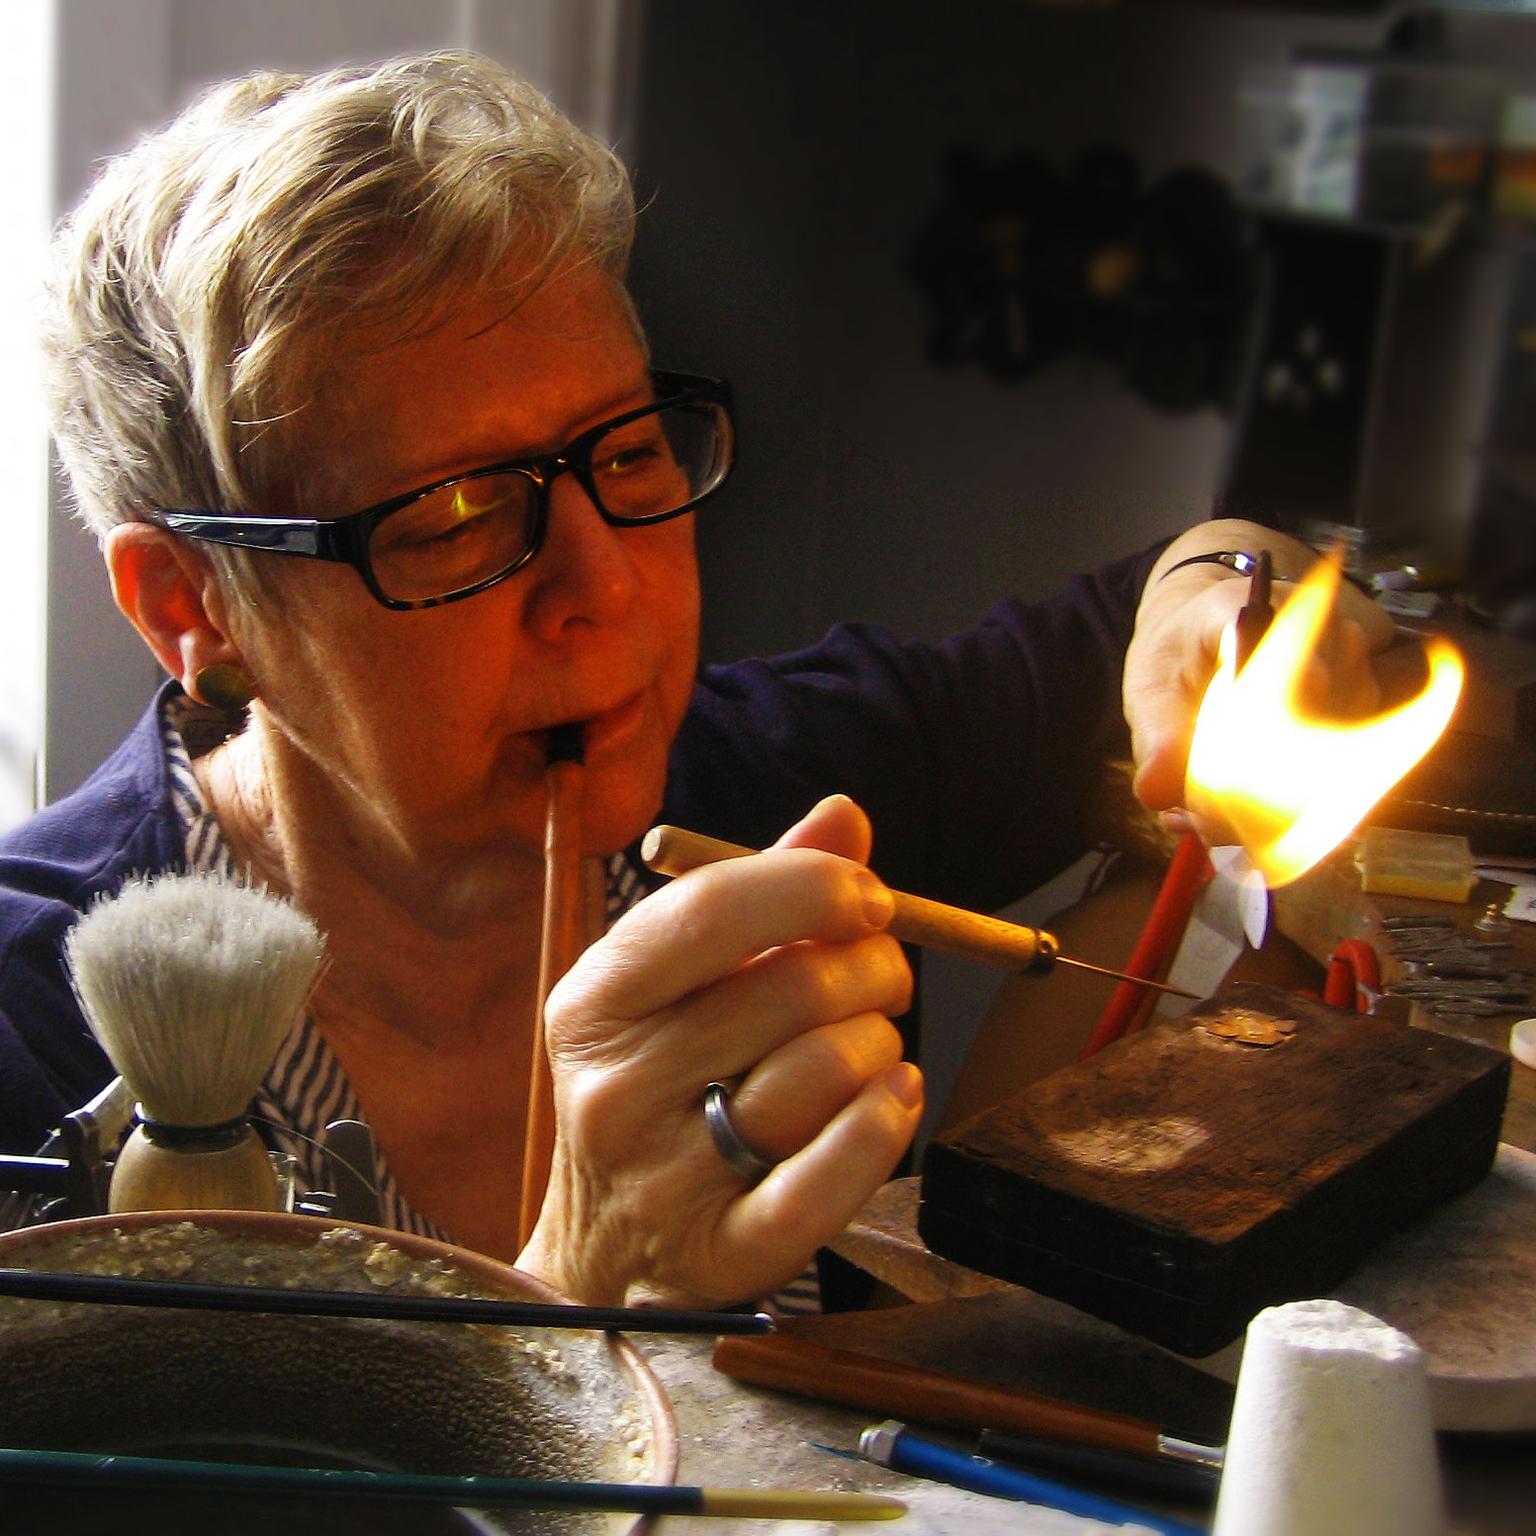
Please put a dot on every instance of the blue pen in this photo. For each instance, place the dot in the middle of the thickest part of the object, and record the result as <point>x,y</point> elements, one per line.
<point>893,1445</point>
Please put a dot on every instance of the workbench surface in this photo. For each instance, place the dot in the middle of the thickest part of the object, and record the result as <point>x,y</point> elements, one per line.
<point>735,1434</point>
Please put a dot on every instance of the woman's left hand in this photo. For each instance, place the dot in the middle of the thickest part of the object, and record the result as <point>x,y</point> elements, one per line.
<point>771,972</point>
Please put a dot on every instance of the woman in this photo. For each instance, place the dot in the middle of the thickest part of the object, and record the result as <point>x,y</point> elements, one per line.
<point>376,317</point>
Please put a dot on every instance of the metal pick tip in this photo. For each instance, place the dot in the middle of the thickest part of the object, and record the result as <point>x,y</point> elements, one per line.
<point>1135,981</point>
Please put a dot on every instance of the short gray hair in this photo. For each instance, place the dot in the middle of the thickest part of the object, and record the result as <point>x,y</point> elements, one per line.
<point>190,286</point>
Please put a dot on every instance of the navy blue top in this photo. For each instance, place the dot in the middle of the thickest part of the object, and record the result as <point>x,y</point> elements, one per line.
<point>973,758</point>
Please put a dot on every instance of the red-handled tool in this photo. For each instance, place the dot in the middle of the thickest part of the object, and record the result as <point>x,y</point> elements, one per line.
<point>1354,977</point>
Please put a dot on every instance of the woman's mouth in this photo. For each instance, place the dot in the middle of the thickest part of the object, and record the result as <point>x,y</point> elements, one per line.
<point>593,735</point>
<point>566,743</point>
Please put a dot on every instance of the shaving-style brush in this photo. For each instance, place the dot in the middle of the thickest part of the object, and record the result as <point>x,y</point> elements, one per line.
<point>190,982</point>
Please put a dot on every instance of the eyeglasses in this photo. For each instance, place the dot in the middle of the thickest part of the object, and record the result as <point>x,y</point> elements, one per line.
<point>458,536</point>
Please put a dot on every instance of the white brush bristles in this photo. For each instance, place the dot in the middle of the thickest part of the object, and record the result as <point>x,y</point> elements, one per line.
<point>190,982</point>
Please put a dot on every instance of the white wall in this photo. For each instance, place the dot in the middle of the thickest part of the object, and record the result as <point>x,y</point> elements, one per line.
<point>112,80</point>
<point>26,41</point>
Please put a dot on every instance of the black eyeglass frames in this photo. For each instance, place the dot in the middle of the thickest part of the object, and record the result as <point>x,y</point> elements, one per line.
<point>455,537</point>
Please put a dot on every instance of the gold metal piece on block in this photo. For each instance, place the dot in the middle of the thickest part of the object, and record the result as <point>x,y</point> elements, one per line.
<point>1248,1028</point>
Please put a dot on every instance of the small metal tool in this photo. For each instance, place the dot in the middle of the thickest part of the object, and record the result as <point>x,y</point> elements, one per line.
<point>84,1143</point>
<point>1487,991</point>
<point>1258,613</point>
<point>350,1150</point>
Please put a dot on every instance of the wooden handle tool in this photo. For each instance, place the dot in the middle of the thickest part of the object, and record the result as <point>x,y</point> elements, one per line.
<point>973,935</point>
<point>895,1391</point>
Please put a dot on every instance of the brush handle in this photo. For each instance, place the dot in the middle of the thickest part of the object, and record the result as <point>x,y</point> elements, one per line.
<point>86,1469</point>
<point>928,1397</point>
<point>151,1177</point>
<point>123,1291</point>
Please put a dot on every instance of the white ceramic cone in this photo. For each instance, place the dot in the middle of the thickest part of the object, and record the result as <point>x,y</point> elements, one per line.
<point>1331,1430</point>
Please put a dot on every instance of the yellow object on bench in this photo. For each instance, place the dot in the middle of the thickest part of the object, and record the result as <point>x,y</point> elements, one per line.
<point>1430,865</point>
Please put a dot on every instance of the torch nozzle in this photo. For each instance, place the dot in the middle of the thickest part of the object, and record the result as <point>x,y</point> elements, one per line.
<point>1257,614</point>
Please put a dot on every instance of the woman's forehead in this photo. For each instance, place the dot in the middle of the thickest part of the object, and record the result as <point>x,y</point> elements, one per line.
<point>484,379</point>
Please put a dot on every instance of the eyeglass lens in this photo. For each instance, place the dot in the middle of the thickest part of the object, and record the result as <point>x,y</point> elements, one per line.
<point>476,528</point>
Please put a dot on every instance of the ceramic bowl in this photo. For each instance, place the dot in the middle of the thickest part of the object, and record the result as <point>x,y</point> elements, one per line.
<point>570,1405</point>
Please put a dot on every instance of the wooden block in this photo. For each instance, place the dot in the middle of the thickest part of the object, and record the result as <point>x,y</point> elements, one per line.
<point>1181,1180</point>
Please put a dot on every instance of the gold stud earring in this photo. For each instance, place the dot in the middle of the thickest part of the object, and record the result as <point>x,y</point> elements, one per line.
<point>225,685</point>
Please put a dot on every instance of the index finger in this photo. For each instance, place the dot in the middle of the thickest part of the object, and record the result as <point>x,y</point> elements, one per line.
<point>1160,749</point>
<point>707,923</point>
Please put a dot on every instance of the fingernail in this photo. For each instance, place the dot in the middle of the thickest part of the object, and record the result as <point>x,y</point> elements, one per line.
<point>904,1083</point>
<point>879,903</point>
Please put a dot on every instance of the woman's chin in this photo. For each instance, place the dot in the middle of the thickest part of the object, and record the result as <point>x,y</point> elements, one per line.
<point>616,824</point>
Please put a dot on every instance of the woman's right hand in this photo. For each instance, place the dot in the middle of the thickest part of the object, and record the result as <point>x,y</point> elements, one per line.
<point>772,972</point>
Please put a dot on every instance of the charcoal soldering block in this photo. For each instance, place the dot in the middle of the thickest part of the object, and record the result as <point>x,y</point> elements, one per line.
<point>1184,1178</point>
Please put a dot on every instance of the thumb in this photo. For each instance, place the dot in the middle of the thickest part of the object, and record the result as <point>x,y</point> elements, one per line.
<point>1160,739</point>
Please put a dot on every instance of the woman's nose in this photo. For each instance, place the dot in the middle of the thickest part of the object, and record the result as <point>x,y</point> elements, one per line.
<point>584,573</point>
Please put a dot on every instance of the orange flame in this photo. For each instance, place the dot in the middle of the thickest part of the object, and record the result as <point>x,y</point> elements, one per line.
<point>1293,786</point>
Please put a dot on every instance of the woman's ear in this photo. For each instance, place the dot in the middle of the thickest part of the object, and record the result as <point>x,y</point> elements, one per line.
<point>167,591</point>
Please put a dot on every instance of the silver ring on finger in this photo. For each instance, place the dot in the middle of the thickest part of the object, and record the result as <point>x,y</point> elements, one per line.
<point>739,1156</point>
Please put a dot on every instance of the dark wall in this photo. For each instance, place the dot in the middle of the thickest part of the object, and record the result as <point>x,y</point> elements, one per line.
<point>788,154</point>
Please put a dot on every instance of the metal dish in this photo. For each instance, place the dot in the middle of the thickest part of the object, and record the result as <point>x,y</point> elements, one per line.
<point>571,1405</point>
